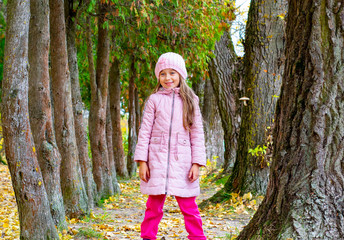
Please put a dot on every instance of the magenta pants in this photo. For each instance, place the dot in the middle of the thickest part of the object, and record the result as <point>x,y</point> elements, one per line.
<point>154,213</point>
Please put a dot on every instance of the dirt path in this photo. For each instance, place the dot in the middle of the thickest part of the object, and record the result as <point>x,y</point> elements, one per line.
<point>120,216</point>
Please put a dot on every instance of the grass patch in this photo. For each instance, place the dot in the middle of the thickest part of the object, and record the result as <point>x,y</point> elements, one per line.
<point>89,233</point>
<point>97,218</point>
<point>222,181</point>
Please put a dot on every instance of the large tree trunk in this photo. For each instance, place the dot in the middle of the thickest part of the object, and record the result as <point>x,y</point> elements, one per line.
<point>132,136</point>
<point>304,198</point>
<point>78,106</point>
<point>109,132</point>
<point>115,109</point>
<point>263,67</point>
<point>32,201</point>
<point>41,123</point>
<point>213,131</point>
<point>73,190</point>
<point>226,82</point>
<point>97,120</point>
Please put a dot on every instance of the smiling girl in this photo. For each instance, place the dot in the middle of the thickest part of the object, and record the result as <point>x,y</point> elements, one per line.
<point>170,148</point>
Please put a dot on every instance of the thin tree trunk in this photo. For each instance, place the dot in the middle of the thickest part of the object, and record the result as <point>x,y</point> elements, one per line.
<point>109,132</point>
<point>73,190</point>
<point>263,68</point>
<point>226,82</point>
<point>304,198</point>
<point>132,136</point>
<point>137,110</point>
<point>41,123</point>
<point>115,109</point>
<point>33,205</point>
<point>97,120</point>
<point>213,131</point>
<point>78,106</point>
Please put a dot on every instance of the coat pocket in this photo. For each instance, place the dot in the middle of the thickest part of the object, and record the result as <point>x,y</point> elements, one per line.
<point>183,142</point>
<point>183,152</point>
<point>155,144</point>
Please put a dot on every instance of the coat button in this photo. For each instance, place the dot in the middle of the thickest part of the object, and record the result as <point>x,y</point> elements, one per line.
<point>184,141</point>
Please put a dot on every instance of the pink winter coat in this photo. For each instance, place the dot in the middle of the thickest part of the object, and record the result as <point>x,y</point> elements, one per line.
<point>169,149</point>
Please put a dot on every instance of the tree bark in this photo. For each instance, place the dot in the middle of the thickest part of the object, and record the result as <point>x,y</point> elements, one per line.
<point>137,110</point>
<point>109,132</point>
<point>213,131</point>
<point>73,190</point>
<point>97,120</point>
<point>263,68</point>
<point>304,198</point>
<point>226,82</point>
<point>132,136</point>
<point>33,205</point>
<point>78,106</point>
<point>41,123</point>
<point>115,109</point>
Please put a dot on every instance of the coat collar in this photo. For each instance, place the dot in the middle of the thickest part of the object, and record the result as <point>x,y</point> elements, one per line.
<point>169,91</point>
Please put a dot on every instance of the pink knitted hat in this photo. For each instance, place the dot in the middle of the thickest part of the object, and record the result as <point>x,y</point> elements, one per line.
<point>171,60</point>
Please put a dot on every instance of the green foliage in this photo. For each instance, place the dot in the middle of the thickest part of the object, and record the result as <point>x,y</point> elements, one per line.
<point>258,151</point>
<point>260,154</point>
<point>190,28</point>
<point>142,30</point>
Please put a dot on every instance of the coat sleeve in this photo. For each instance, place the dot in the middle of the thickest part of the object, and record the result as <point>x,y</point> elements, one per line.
<point>141,150</point>
<point>197,137</point>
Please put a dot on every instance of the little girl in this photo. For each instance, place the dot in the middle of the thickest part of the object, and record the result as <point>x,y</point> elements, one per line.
<point>170,148</point>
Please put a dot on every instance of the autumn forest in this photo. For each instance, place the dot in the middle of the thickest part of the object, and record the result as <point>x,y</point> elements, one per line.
<point>76,74</point>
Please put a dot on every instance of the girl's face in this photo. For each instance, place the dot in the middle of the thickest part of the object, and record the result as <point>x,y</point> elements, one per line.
<point>169,78</point>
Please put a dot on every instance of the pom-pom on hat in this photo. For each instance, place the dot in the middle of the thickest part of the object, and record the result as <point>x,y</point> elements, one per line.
<point>171,60</point>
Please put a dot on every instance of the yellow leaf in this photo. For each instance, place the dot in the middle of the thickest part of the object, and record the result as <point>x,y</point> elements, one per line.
<point>73,220</point>
<point>247,196</point>
<point>281,16</point>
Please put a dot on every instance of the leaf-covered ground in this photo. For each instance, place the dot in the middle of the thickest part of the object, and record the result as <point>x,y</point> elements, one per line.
<point>120,216</point>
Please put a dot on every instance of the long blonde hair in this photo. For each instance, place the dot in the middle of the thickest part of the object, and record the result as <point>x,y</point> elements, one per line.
<point>189,105</point>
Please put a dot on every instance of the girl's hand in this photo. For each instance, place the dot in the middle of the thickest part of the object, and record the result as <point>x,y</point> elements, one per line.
<point>144,171</point>
<point>194,172</point>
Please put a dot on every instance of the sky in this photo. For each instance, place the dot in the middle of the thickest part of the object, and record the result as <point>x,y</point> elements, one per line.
<point>238,25</point>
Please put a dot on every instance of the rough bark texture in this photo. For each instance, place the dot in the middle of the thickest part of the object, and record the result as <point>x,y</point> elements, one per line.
<point>97,119</point>
<point>109,132</point>
<point>115,109</point>
<point>73,190</point>
<point>224,76</point>
<point>32,201</point>
<point>41,123</point>
<point>213,131</point>
<point>304,198</point>
<point>78,106</point>
<point>263,67</point>
<point>132,136</point>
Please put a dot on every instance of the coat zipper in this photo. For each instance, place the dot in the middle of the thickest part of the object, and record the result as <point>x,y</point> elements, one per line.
<point>169,144</point>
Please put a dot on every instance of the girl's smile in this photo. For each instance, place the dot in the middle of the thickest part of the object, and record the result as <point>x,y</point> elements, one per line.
<point>169,78</point>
